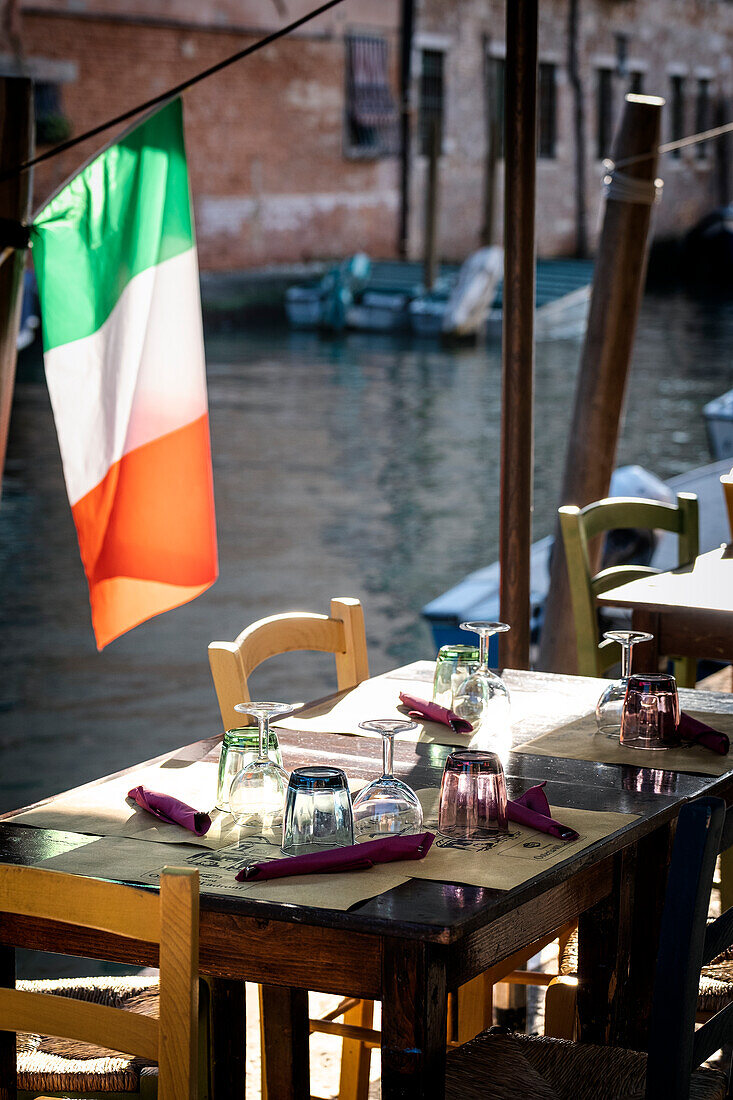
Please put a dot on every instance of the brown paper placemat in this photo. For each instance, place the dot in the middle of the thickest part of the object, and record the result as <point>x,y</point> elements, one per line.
<point>378,697</point>
<point>510,858</point>
<point>103,810</point>
<point>120,859</point>
<point>579,740</point>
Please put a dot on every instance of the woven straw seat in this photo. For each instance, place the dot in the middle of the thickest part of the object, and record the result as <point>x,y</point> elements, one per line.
<point>715,990</point>
<point>496,1066</point>
<point>48,1064</point>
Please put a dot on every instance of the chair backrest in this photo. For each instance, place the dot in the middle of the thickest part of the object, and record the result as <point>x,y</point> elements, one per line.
<point>342,633</point>
<point>169,919</point>
<point>580,525</point>
<point>687,943</point>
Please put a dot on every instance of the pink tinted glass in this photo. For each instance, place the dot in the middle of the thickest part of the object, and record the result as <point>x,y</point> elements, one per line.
<point>651,712</point>
<point>472,795</point>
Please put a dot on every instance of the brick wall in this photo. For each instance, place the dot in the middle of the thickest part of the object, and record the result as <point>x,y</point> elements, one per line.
<point>694,37</point>
<point>265,138</point>
<point>270,178</point>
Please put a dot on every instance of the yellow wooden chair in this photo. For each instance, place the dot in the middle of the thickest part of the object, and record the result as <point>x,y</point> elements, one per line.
<point>579,526</point>
<point>342,633</point>
<point>170,1039</point>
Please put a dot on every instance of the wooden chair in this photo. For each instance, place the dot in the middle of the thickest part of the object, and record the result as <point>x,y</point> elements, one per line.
<point>551,1068</point>
<point>580,525</point>
<point>170,1039</point>
<point>342,633</point>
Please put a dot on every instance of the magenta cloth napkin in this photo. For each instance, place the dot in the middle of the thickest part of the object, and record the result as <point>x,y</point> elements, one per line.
<point>355,857</point>
<point>168,808</point>
<point>421,708</point>
<point>690,729</point>
<point>533,809</point>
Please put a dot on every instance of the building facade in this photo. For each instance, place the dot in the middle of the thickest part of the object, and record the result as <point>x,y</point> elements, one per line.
<point>294,152</point>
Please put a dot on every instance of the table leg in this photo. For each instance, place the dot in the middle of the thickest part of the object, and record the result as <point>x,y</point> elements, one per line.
<point>414,1019</point>
<point>646,656</point>
<point>654,853</point>
<point>8,1090</point>
<point>618,940</point>
<point>285,1039</point>
<point>604,955</point>
<point>228,1043</point>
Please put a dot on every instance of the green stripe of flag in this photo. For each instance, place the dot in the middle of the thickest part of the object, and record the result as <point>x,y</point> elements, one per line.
<point>125,212</point>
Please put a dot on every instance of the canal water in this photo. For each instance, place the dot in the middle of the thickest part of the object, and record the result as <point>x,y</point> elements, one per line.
<point>364,466</point>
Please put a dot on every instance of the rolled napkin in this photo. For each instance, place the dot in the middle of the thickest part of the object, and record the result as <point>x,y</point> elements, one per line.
<point>533,809</point>
<point>170,809</point>
<point>355,857</point>
<point>690,729</point>
<point>421,708</point>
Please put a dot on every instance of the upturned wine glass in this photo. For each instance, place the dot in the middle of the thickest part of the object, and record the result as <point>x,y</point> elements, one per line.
<point>387,805</point>
<point>257,793</point>
<point>611,702</point>
<point>483,697</point>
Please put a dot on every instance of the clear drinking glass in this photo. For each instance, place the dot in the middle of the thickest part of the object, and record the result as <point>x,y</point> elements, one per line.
<point>257,793</point>
<point>483,697</point>
<point>239,748</point>
<point>472,796</point>
<point>610,704</point>
<point>452,665</point>
<point>651,712</point>
<point>317,811</point>
<point>387,805</point>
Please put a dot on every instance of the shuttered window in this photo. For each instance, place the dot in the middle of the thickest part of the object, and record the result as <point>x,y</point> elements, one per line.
<point>431,103</point>
<point>547,110</point>
<point>604,113</point>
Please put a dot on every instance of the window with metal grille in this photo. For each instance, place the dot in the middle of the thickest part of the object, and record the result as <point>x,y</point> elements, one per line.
<point>495,101</point>
<point>702,115</point>
<point>677,111</point>
<point>636,82</point>
<point>604,112</point>
<point>547,110</point>
<point>52,125</point>
<point>431,103</point>
<point>371,114</point>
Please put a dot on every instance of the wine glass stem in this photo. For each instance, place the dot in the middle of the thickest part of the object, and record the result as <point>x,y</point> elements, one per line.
<point>387,755</point>
<point>264,731</point>
<point>484,649</point>
<point>626,659</point>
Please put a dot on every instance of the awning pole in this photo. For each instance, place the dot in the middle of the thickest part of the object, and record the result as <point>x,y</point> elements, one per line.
<point>520,151</point>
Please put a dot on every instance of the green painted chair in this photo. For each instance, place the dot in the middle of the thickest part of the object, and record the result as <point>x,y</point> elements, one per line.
<point>579,526</point>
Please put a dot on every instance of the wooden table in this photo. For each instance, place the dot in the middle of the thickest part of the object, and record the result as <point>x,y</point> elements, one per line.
<point>689,610</point>
<point>410,946</point>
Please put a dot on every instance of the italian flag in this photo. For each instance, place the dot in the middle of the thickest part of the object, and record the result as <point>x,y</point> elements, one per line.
<point>115,258</point>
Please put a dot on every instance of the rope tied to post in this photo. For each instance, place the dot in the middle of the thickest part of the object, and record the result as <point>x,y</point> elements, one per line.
<point>622,187</point>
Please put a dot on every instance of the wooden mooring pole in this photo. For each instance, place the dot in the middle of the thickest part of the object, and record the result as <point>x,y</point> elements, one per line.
<point>520,151</point>
<point>16,146</point>
<point>618,283</point>
<point>431,206</point>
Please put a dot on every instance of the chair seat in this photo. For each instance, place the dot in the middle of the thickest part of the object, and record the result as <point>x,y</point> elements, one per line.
<point>715,990</point>
<point>49,1064</point>
<point>496,1066</point>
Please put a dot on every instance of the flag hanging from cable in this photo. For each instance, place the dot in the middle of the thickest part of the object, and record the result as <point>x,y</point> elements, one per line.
<point>115,258</point>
